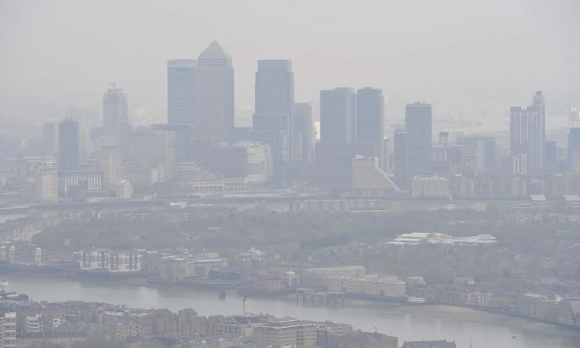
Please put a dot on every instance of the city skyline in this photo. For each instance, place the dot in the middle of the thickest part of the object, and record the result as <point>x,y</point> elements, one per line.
<point>458,74</point>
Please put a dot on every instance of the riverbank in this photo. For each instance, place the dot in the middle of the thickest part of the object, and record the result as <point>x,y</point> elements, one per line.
<point>432,311</point>
<point>464,314</point>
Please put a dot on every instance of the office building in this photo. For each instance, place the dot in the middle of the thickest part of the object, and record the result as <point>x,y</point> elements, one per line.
<point>181,136</point>
<point>550,153</point>
<point>573,117</point>
<point>336,115</point>
<point>110,164</point>
<point>115,114</point>
<point>273,121</point>
<point>46,185</point>
<point>418,125</point>
<point>72,182</point>
<point>304,132</point>
<point>400,160</point>
<point>214,120</point>
<point>528,133</point>
<point>573,144</point>
<point>478,152</point>
<point>123,189</point>
<point>181,91</point>
<point>68,143</point>
<point>370,115</point>
<point>49,139</point>
<point>146,144</point>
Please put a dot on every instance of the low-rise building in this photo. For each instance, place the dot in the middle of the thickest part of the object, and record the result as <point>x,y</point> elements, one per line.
<point>372,284</point>
<point>360,339</point>
<point>285,332</point>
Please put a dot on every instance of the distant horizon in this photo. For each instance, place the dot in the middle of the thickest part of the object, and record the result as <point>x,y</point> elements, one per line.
<point>462,58</point>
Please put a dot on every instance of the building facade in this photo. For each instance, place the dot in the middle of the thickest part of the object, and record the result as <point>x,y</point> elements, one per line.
<point>273,121</point>
<point>214,120</point>
<point>528,133</point>
<point>337,112</point>
<point>115,114</point>
<point>68,143</point>
<point>181,91</point>
<point>418,126</point>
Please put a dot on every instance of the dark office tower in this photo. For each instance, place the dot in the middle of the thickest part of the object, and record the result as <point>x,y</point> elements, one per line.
<point>528,133</point>
<point>418,125</point>
<point>273,122</point>
<point>550,153</point>
<point>181,89</point>
<point>214,119</point>
<point>304,132</point>
<point>370,115</point>
<point>49,142</point>
<point>181,136</point>
<point>573,144</point>
<point>68,142</point>
<point>336,114</point>
<point>400,160</point>
<point>115,114</point>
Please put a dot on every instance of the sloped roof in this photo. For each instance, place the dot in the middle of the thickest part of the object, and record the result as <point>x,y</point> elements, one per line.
<point>214,50</point>
<point>429,344</point>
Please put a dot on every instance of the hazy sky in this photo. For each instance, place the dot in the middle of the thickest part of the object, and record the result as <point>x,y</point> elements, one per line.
<point>461,55</point>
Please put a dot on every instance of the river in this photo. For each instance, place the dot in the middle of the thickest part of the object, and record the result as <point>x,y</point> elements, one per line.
<point>404,326</point>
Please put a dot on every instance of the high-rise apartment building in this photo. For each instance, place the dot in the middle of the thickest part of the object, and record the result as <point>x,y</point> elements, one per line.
<point>214,120</point>
<point>528,133</point>
<point>68,141</point>
<point>115,114</point>
<point>336,115</point>
<point>304,132</point>
<point>8,330</point>
<point>370,115</point>
<point>110,164</point>
<point>273,121</point>
<point>46,185</point>
<point>181,91</point>
<point>418,126</point>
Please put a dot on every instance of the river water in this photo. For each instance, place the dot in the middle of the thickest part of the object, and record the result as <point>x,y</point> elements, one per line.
<point>404,326</point>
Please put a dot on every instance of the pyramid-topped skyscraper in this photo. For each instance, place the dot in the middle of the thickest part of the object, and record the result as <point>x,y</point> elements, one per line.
<point>214,119</point>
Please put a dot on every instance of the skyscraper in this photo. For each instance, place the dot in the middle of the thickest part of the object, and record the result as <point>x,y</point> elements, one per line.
<point>528,132</point>
<point>68,141</point>
<point>400,160</point>
<point>370,115</point>
<point>418,125</point>
<point>304,132</point>
<point>110,163</point>
<point>273,121</point>
<point>181,91</point>
<point>214,120</point>
<point>336,113</point>
<point>573,144</point>
<point>115,114</point>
